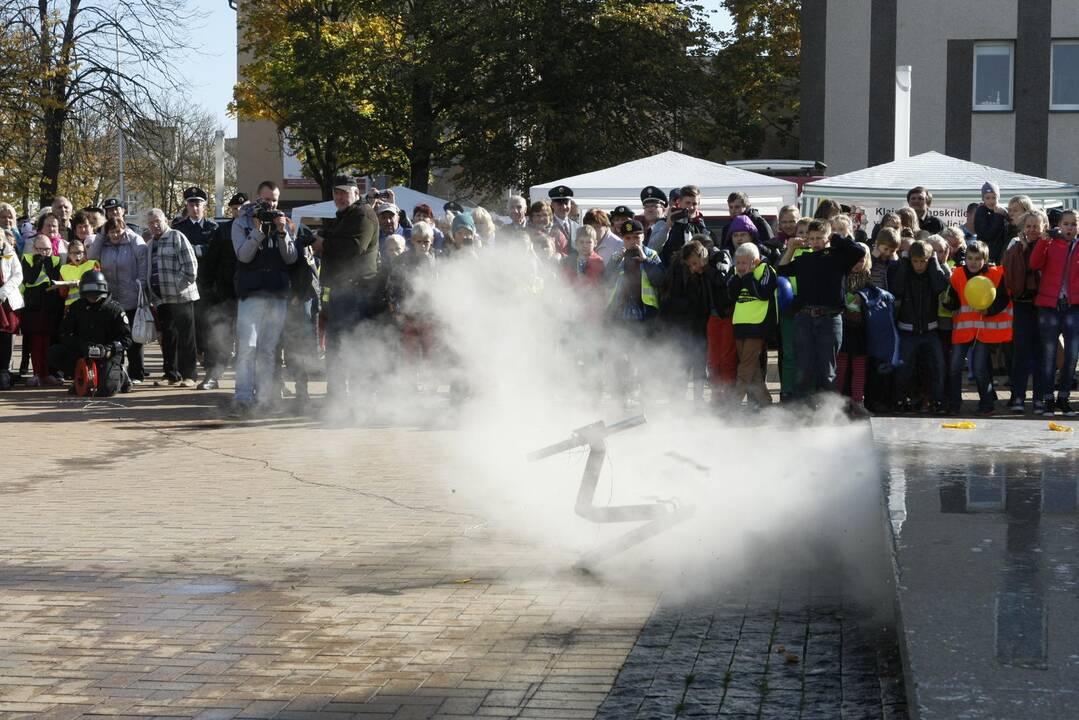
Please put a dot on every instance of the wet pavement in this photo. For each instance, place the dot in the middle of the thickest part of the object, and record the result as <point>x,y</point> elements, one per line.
<point>985,536</point>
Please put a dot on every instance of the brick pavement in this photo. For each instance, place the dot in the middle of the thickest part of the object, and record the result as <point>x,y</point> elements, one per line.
<point>159,561</point>
<point>173,565</point>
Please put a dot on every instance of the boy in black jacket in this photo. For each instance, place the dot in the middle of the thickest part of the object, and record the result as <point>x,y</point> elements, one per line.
<point>917,282</point>
<point>818,326</point>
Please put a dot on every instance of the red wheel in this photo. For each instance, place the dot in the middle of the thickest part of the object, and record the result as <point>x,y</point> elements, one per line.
<point>85,377</point>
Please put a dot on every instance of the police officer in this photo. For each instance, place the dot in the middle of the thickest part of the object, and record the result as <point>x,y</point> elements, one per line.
<point>654,202</point>
<point>220,311</point>
<point>95,329</point>
<point>560,201</point>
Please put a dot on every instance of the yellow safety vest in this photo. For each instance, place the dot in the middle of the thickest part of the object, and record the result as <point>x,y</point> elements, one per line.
<point>943,312</point>
<point>75,272</point>
<point>42,277</point>
<point>648,292</point>
<point>750,310</point>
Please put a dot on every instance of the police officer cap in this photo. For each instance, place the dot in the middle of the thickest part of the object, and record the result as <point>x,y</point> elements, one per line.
<point>195,193</point>
<point>453,206</point>
<point>622,211</point>
<point>562,192</point>
<point>651,193</point>
<point>111,203</point>
<point>629,227</point>
<point>237,199</point>
<point>343,182</point>
<point>93,283</point>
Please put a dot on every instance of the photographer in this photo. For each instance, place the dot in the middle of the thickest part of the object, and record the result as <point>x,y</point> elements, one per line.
<point>683,223</point>
<point>264,250</point>
<point>95,329</point>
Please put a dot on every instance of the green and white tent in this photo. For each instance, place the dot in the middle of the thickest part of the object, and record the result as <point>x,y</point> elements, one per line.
<point>954,183</point>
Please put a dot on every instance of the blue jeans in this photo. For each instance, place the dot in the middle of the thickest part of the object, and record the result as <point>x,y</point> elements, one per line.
<point>259,322</point>
<point>909,346</point>
<point>979,363</point>
<point>345,314</point>
<point>1051,323</point>
<point>1027,353</point>
<point>816,342</point>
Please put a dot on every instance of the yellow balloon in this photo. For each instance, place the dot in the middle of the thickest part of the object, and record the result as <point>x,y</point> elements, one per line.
<point>980,292</point>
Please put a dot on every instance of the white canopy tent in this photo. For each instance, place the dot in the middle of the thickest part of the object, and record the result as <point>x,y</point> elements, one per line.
<point>407,200</point>
<point>622,184</point>
<point>954,183</point>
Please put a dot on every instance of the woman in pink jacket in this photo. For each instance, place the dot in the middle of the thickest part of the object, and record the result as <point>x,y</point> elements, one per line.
<point>1057,256</point>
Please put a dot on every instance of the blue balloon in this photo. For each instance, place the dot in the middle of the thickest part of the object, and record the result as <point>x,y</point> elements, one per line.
<point>785,293</point>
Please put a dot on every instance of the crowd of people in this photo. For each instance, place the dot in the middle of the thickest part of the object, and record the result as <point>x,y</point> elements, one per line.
<point>894,317</point>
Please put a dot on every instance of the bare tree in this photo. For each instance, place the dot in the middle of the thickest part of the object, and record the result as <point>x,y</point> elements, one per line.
<point>85,54</point>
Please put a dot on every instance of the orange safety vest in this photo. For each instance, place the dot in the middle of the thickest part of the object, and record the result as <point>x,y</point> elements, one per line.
<point>969,325</point>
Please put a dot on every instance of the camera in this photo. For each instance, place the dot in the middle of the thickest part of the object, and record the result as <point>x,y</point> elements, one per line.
<point>264,212</point>
<point>97,352</point>
<point>1056,233</point>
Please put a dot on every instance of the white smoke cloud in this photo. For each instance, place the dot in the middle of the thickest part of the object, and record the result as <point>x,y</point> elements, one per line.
<point>538,362</point>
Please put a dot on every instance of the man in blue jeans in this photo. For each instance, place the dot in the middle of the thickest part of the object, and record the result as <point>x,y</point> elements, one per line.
<point>818,322</point>
<point>264,250</point>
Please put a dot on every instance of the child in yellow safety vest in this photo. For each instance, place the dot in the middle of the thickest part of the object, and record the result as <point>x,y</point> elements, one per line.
<point>72,271</point>
<point>753,285</point>
<point>975,333</point>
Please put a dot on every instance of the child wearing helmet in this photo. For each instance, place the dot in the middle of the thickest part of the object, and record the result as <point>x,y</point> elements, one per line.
<point>95,332</point>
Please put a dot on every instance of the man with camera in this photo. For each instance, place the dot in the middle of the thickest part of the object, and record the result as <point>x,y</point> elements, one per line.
<point>94,330</point>
<point>349,275</point>
<point>264,250</point>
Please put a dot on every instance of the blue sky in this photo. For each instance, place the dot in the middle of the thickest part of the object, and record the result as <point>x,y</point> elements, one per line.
<point>212,68</point>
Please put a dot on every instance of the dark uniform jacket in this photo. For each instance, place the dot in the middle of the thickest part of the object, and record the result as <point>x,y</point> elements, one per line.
<point>992,229</point>
<point>917,294</point>
<point>350,249</point>
<point>86,324</point>
<point>201,236</point>
<point>220,258</point>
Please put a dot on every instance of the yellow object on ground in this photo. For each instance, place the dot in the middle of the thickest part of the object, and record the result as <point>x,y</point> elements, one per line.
<point>1059,428</point>
<point>964,425</point>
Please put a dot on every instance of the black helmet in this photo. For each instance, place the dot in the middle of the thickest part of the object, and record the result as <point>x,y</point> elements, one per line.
<point>92,284</point>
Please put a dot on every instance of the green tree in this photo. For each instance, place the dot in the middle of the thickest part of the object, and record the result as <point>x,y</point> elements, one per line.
<point>511,91</point>
<point>753,89</point>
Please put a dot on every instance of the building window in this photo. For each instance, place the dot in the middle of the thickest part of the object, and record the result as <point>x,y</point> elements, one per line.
<point>993,69</point>
<point>1064,85</point>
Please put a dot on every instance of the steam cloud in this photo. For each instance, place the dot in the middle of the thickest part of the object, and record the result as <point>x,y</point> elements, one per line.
<point>536,358</point>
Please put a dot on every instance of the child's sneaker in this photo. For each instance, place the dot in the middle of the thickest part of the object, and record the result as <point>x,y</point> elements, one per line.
<point>1015,407</point>
<point>902,407</point>
<point>1047,407</point>
<point>986,410</point>
<point>937,408</point>
<point>1065,408</point>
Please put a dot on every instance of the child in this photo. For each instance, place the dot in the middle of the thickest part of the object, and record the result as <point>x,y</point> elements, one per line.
<point>722,352</point>
<point>753,286</point>
<point>634,302</point>
<point>584,266</point>
<point>885,256</point>
<point>684,311</point>
<point>1058,308</point>
<point>742,231</point>
<point>917,282</point>
<point>818,327</point>
<point>73,270</point>
<point>44,308</point>
<point>852,357</point>
<point>976,333</point>
<point>1022,281</point>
